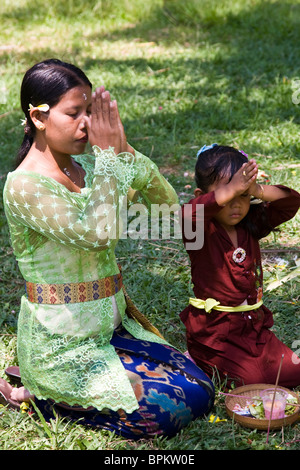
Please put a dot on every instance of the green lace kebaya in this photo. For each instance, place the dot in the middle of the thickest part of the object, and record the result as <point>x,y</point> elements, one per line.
<point>59,236</point>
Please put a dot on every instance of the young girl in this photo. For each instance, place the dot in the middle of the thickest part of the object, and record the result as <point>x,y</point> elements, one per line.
<point>78,345</point>
<point>227,325</point>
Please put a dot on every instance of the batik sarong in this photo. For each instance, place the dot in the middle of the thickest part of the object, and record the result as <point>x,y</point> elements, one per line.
<point>171,391</point>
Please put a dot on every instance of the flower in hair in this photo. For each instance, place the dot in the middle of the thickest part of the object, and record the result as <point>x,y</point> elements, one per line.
<point>40,107</point>
<point>23,122</point>
<point>204,148</point>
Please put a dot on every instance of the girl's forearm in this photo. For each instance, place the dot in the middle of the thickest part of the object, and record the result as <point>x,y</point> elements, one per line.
<point>224,194</point>
<point>268,193</point>
<point>241,182</point>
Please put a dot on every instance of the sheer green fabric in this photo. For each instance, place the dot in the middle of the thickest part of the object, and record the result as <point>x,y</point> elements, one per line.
<point>60,236</point>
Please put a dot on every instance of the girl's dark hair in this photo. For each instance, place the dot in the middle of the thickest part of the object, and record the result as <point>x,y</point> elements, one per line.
<point>45,83</point>
<point>221,161</point>
<point>216,163</point>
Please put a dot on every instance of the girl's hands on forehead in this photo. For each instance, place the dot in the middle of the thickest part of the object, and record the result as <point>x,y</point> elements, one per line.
<point>104,125</point>
<point>243,181</point>
<point>245,177</point>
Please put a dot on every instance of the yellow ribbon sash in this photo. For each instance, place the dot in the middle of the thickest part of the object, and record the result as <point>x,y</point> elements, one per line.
<point>212,304</point>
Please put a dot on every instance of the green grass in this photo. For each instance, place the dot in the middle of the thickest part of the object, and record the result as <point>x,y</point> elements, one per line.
<point>184,73</point>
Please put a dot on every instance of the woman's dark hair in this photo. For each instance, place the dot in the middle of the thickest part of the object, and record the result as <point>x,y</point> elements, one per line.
<point>45,83</point>
<point>221,161</point>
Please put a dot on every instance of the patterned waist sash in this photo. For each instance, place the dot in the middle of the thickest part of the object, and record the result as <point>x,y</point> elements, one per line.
<point>73,292</point>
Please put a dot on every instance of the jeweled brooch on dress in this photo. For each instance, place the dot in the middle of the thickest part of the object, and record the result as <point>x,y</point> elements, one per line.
<point>239,255</point>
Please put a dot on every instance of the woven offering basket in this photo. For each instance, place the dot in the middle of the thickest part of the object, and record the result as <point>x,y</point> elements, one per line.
<point>255,423</point>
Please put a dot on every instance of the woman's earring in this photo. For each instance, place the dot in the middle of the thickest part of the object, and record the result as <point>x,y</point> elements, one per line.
<point>41,127</point>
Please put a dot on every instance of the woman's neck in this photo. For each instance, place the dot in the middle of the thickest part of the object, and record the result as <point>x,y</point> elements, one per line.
<point>59,167</point>
<point>42,158</point>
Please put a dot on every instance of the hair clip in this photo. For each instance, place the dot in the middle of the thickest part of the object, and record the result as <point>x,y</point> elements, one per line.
<point>204,148</point>
<point>243,153</point>
<point>40,107</point>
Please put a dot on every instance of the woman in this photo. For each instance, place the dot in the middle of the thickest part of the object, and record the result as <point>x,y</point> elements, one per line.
<point>77,346</point>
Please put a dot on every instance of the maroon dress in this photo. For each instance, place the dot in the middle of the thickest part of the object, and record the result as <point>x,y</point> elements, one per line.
<point>239,345</point>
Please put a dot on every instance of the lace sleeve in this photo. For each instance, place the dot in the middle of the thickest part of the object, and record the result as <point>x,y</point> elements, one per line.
<point>88,222</point>
<point>48,208</point>
<point>149,186</point>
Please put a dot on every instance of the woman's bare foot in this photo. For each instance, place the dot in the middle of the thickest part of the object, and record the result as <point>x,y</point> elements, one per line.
<point>20,394</point>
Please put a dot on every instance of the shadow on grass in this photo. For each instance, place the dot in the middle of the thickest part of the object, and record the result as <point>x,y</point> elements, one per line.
<point>243,83</point>
<point>236,70</point>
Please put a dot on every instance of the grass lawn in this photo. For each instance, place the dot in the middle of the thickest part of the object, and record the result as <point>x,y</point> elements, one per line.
<point>185,73</point>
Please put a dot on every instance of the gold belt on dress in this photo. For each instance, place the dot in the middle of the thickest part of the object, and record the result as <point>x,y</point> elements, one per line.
<point>73,292</point>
